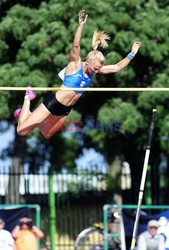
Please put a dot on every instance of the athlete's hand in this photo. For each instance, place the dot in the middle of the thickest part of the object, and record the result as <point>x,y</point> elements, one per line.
<point>135,47</point>
<point>82,17</point>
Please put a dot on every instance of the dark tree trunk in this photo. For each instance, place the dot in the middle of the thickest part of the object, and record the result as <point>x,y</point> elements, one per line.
<point>13,196</point>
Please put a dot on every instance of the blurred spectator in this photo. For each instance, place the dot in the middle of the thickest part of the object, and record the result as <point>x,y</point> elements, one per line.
<point>150,239</point>
<point>6,240</point>
<point>26,235</point>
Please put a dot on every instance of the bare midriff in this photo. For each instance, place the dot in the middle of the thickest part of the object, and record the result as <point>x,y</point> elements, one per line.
<point>67,97</point>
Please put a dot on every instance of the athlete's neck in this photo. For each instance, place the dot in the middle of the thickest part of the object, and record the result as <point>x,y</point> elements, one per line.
<point>85,71</point>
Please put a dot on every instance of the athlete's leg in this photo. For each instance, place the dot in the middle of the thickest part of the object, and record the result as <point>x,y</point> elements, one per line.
<point>29,121</point>
<point>51,125</point>
<point>25,111</point>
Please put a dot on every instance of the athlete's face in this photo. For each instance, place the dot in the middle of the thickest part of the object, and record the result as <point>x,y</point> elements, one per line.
<point>93,67</point>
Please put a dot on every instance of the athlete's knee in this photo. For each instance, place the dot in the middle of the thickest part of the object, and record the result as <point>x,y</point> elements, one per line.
<point>21,132</point>
<point>46,135</point>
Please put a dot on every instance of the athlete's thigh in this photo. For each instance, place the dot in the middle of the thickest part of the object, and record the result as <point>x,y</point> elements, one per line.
<point>51,125</point>
<point>38,115</point>
<point>52,121</point>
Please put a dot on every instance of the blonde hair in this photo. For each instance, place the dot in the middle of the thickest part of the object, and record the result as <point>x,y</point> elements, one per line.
<point>99,38</point>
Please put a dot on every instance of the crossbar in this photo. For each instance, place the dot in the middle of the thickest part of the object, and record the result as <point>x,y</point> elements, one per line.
<point>85,89</point>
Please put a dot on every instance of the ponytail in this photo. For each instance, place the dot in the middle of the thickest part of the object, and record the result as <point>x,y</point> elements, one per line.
<point>99,38</point>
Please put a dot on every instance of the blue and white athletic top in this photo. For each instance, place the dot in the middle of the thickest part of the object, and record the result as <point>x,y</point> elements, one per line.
<point>76,80</point>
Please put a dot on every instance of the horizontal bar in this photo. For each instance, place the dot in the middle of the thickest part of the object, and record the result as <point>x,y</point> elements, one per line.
<point>86,89</point>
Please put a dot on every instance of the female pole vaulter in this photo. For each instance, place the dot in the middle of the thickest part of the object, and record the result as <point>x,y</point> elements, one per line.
<point>50,115</point>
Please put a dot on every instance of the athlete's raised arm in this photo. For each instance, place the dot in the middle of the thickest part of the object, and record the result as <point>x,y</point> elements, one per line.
<point>107,69</point>
<point>75,51</point>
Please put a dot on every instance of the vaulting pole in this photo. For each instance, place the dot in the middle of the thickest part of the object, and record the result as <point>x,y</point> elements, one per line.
<point>146,159</point>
